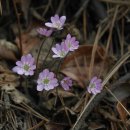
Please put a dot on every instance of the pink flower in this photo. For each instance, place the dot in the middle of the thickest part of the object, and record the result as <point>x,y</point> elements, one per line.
<point>46,81</point>
<point>56,22</point>
<point>66,83</point>
<point>95,86</point>
<point>44,31</point>
<point>26,66</point>
<point>60,50</point>
<point>71,43</point>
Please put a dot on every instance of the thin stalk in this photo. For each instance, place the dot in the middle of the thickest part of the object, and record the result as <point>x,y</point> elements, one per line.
<point>57,71</point>
<point>33,111</point>
<point>51,66</point>
<point>26,87</point>
<point>67,114</point>
<point>38,55</point>
<point>60,97</point>
<point>117,99</point>
<point>19,27</point>
<point>0,8</point>
<point>48,52</point>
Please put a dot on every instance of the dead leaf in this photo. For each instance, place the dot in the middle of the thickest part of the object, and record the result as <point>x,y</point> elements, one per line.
<point>96,126</point>
<point>8,77</point>
<point>54,126</point>
<point>121,111</point>
<point>48,104</point>
<point>8,50</point>
<point>9,86</point>
<point>8,81</point>
<point>18,97</point>
<point>28,42</point>
<point>62,93</point>
<point>4,67</point>
<point>76,65</point>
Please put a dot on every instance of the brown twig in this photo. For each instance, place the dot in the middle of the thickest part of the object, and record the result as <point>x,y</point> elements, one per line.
<point>85,26</point>
<point>83,6</point>
<point>116,2</point>
<point>37,125</point>
<point>67,114</point>
<point>94,52</point>
<point>19,27</point>
<point>109,38</point>
<point>117,100</point>
<point>60,7</point>
<point>0,8</point>
<point>47,8</point>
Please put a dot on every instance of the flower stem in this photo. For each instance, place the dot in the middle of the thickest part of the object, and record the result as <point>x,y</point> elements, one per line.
<point>26,87</point>
<point>67,114</point>
<point>38,55</point>
<point>60,97</point>
<point>48,51</point>
<point>19,27</point>
<point>57,71</point>
<point>53,63</point>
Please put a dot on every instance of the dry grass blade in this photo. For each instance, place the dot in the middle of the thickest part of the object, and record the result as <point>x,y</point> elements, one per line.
<point>94,52</point>
<point>33,111</point>
<point>106,23</point>
<point>116,67</point>
<point>76,16</point>
<point>84,113</point>
<point>0,8</point>
<point>110,36</point>
<point>37,125</point>
<point>117,100</point>
<point>116,2</point>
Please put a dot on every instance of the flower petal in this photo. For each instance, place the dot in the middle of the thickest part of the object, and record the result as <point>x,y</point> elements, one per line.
<point>49,25</point>
<point>39,87</point>
<point>62,19</point>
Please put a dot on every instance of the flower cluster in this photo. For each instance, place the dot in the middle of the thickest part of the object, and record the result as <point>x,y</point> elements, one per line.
<point>46,80</point>
<point>95,86</point>
<point>69,44</point>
